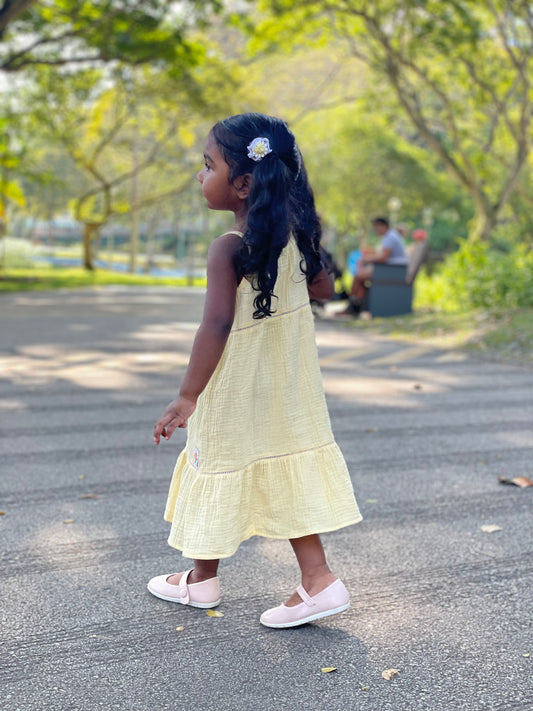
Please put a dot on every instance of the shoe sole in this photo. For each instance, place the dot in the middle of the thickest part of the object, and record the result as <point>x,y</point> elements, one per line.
<point>203,605</point>
<point>311,618</point>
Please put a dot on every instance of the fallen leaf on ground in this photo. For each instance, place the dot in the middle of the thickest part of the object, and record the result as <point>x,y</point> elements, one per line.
<point>327,670</point>
<point>2,513</point>
<point>490,528</point>
<point>68,520</point>
<point>389,674</point>
<point>90,496</point>
<point>214,613</point>
<point>526,654</point>
<point>417,386</point>
<point>180,629</point>
<point>521,481</point>
<point>371,501</point>
<point>365,688</point>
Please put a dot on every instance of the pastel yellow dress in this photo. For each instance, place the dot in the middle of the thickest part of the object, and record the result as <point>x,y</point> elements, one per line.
<point>260,457</point>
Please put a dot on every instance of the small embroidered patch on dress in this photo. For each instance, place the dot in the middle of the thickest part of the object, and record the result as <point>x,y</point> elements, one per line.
<point>196,457</point>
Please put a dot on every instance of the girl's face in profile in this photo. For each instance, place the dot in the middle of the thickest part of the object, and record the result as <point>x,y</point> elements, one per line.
<point>217,189</point>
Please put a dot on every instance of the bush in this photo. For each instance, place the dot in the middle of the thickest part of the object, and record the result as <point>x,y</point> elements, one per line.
<point>478,276</point>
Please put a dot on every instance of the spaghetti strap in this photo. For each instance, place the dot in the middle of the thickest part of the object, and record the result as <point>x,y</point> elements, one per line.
<point>234,232</point>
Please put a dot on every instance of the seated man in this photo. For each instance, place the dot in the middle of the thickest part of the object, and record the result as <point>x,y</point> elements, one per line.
<point>392,251</point>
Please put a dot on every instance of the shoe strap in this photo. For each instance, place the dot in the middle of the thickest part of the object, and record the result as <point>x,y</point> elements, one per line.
<point>184,588</point>
<point>305,597</point>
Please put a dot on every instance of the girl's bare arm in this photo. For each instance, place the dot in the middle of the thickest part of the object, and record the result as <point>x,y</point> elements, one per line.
<point>211,337</point>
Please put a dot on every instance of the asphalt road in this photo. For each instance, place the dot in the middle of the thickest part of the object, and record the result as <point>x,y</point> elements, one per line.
<point>426,433</point>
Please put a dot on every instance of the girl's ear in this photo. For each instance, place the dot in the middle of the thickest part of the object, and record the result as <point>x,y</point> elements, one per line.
<point>242,185</point>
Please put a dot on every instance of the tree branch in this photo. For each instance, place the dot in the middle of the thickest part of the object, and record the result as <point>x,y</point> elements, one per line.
<point>407,98</point>
<point>501,104</point>
<point>11,63</point>
<point>106,140</point>
<point>108,185</point>
<point>522,153</point>
<point>155,199</point>
<point>500,24</point>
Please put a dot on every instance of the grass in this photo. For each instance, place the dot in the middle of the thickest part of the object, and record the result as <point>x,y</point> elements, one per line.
<point>42,278</point>
<point>506,336</point>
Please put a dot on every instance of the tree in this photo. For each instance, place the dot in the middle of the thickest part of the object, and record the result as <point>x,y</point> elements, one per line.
<point>71,32</point>
<point>113,135</point>
<point>460,70</point>
<point>12,157</point>
<point>129,133</point>
<point>357,163</point>
<point>357,153</point>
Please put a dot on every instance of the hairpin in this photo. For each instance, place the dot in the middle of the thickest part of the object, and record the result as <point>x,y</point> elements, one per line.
<point>259,148</point>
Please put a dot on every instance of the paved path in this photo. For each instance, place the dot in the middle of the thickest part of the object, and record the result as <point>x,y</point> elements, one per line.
<point>83,376</point>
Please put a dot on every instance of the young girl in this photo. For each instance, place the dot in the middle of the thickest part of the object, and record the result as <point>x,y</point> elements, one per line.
<point>260,458</point>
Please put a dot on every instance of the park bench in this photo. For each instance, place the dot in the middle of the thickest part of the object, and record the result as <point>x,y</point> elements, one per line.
<point>391,290</point>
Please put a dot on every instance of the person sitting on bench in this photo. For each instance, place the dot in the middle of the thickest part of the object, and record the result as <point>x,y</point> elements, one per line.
<point>391,251</point>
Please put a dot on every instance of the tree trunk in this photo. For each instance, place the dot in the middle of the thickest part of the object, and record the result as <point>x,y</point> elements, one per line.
<point>484,221</point>
<point>134,238</point>
<point>89,229</point>
<point>150,243</point>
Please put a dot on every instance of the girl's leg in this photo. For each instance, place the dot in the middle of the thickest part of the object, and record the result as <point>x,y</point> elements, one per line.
<point>203,570</point>
<point>311,558</point>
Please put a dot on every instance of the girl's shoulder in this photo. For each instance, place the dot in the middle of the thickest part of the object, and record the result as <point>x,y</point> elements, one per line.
<point>224,248</point>
<point>227,241</point>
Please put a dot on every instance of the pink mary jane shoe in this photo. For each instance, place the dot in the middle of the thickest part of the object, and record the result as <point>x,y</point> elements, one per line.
<point>204,594</point>
<point>329,601</point>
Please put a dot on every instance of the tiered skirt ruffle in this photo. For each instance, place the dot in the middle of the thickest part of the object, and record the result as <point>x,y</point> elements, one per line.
<point>286,496</point>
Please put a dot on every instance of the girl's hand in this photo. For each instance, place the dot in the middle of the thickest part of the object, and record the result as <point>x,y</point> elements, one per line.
<point>176,415</point>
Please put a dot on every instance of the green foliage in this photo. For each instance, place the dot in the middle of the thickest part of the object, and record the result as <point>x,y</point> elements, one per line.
<point>459,72</point>
<point>132,32</point>
<point>11,157</point>
<point>382,96</point>
<point>143,125</point>
<point>356,163</point>
<point>479,276</point>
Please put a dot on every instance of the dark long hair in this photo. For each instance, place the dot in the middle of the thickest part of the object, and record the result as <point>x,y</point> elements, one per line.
<point>280,202</point>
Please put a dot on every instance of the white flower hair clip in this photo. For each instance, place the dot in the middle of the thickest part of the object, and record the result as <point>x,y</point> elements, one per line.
<point>259,148</point>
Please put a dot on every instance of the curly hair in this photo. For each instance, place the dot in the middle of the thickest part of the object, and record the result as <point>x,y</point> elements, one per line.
<point>280,202</point>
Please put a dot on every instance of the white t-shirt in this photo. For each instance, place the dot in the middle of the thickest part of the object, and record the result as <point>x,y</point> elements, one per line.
<point>393,240</point>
